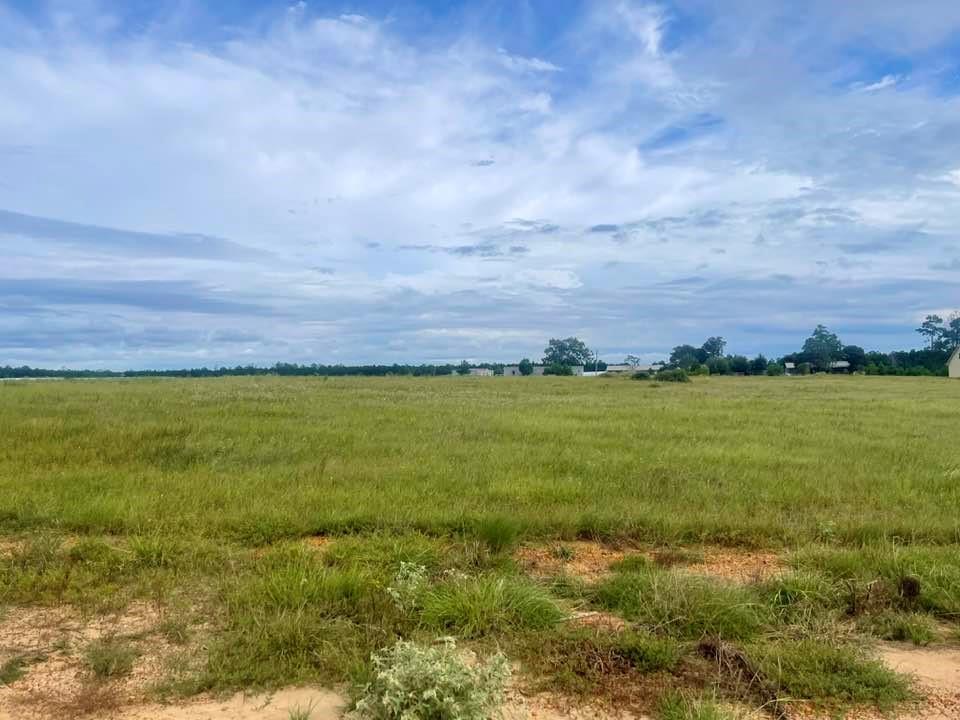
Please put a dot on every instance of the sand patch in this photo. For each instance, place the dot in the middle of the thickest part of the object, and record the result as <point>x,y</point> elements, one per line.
<point>936,672</point>
<point>741,566</point>
<point>323,705</point>
<point>586,560</point>
<point>56,681</point>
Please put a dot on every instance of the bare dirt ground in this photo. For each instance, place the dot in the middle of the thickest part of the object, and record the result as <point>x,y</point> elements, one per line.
<point>592,561</point>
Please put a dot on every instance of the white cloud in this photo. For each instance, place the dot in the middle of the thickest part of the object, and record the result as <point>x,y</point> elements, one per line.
<point>331,142</point>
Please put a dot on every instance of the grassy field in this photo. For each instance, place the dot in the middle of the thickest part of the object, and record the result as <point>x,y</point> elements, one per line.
<point>732,460</point>
<point>279,531</point>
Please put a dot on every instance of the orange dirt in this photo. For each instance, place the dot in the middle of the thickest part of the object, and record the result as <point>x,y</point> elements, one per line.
<point>586,560</point>
<point>738,565</point>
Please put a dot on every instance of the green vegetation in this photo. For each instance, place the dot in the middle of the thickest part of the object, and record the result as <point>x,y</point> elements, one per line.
<point>261,459</point>
<point>301,530</point>
<point>816,670</point>
<point>432,683</point>
<point>110,658</point>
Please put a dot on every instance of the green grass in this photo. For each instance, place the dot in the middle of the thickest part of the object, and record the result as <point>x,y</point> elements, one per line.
<point>684,706</point>
<point>582,660</point>
<point>489,604</point>
<point>110,658</point>
<point>266,520</point>
<point>686,606</point>
<point>730,460</point>
<point>819,671</point>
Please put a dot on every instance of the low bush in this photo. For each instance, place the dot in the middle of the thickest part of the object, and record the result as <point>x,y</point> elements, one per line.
<point>431,683</point>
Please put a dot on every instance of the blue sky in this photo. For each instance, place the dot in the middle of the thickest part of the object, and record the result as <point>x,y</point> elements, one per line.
<point>192,183</point>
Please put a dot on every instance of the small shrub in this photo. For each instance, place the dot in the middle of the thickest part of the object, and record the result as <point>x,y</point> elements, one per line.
<point>473,607</point>
<point>641,375</point>
<point>110,658</point>
<point>431,683</point>
<point>407,586</point>
<point>676,375</point>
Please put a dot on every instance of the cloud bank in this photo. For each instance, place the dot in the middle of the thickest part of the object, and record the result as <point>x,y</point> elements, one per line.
<point>184,188</point>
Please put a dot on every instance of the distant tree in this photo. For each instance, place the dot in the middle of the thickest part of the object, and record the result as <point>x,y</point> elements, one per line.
<point>569,351</point>
<point>463,368</point>
<point>856,356</point>
<point>822,348</point>
<point>526,367</point>
<point>684,356</point>
<point>558,369</point>
<point>739,364</point>
<point>775,369</point>
<point>804,368</point>
<point>932,330</point>
<point>718,366</point>
<point>631,360</point>
<point>713,347</point>
<point>758,366</point>
<point>951,335</point>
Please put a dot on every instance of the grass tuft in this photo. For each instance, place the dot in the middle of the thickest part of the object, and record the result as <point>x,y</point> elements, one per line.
<point>487,605</point>
<point>110,658</point>
<point>687,606</point>
<point>678,705</point>
<point>813,670</point>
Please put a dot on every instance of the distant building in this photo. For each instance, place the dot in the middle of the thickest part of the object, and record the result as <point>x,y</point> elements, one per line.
<point>481,372</point>
<point>954,364</point>
<point>619,368</point>
<point>512,371</point>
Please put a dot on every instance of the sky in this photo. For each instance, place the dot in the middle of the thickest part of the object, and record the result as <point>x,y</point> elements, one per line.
<point>187,183</point>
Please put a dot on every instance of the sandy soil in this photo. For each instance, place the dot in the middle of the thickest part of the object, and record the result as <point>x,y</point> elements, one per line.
<point>591,561</point>
<point>936,671</point>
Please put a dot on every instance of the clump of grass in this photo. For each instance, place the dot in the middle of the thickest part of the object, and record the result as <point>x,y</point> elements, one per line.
<point>300,713</point>
<point>432,683</point>
<point>174,630</point>
<point>814,670</point>
<point>684,605</point>
<point>16,667</point>
<point>488,604</point>
<point>581,660</point>
<point>678,705</point>
<point>110,658</point>
<point>562,552</point>
<point>499,533</point>
<point>903,627</point>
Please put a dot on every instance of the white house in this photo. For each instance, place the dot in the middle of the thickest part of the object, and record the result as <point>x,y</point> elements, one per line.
<point>954,364</point>
<point>514,370</point>
<point>481,372</point>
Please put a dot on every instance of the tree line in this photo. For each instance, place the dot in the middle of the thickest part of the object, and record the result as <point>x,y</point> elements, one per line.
<point>824,351</point>
<point>821,352</point>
